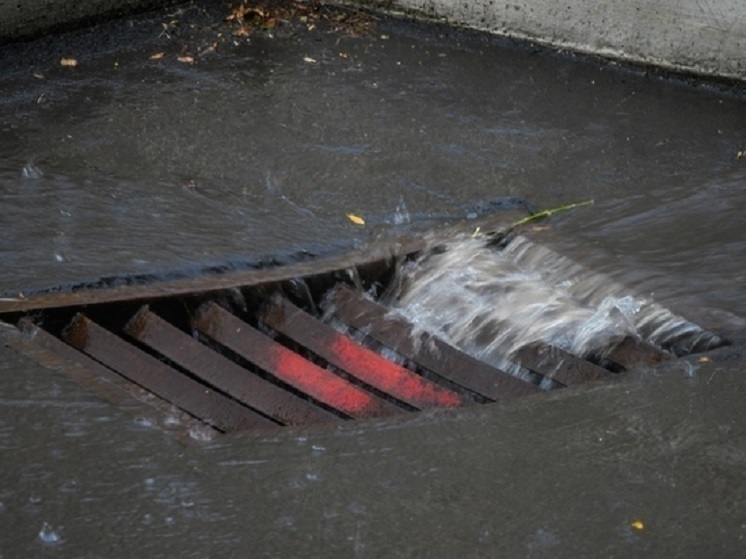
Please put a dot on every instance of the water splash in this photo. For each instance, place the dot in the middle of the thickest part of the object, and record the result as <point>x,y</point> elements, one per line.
<point>401,215</point>
<point>491,302</point>
<point>49,535</point>
<point>31,171</point>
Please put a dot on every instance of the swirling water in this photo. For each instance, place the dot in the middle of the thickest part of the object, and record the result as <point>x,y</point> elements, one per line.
<point>125,165</point>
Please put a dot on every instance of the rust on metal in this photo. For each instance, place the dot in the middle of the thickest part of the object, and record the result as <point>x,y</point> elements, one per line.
<point>222,373</point>
<point>429,352</point>
<point>558,365</point>
<point>153,375</point>
<point>631,352</point>
<point>287,366</point>
<point>356,360</point>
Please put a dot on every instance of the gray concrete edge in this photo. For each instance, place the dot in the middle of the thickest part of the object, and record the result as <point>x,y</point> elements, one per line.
<point>700,37</point>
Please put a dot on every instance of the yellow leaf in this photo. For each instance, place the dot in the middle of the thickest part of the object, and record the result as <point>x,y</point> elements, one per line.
<point>356,219</point>
<point>71,62</point>
<point>637,525</point>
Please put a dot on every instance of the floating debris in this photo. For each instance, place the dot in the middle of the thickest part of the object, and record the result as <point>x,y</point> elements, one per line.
<point>357,220</point>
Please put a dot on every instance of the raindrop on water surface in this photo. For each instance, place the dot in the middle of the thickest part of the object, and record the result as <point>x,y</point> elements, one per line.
<point>49,535</point>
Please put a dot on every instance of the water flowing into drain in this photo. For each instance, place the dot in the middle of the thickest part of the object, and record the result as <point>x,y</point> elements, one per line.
<point>454,323</point>
<point>490,303</point>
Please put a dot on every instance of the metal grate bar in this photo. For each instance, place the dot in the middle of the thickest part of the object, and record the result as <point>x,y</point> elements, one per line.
<point>105,382</point>
<point>225,375</point>
<point>358,361</point>
<point>558,365</point>
<point>287,366</point>
<point>429,352</point>
<point>631,352</point>
<point>147,371</point>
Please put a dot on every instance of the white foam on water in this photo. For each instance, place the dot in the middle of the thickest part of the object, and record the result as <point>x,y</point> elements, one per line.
<point>491,302</point>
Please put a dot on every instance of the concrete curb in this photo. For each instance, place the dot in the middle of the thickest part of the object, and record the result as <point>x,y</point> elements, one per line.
<point>704,37</point>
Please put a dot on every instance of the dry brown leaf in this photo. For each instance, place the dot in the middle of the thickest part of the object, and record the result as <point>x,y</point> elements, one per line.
<point>69,62</point>
<point>186,59</point>
<point>357,220</point>
<point>157,56</point>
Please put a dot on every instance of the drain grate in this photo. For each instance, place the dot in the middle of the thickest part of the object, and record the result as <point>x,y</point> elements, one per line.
<point>252,352</point>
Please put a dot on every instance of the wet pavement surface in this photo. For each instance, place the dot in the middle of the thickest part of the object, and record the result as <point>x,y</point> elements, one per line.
<point>127,165</point>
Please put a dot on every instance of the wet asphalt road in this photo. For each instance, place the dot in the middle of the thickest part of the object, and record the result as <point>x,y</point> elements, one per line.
<point>127,165</point>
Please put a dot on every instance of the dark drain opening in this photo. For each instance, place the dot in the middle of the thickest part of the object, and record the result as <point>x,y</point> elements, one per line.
<point>253,352</point>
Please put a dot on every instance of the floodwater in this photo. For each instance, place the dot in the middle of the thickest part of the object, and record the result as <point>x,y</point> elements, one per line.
<point>125,165</point>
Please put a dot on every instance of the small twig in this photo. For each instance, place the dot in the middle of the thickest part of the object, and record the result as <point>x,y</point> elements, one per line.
<point>549,213</point>
<point>497,236</point>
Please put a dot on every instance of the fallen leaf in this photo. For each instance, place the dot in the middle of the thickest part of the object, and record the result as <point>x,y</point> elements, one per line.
<point>157,56</point>
<point>39,76</point>
<point>208,50</point>
<point>309,60</point>
<point>70,62</point>
<point>638,525</point>
<point>186,59</point>
<point>704,359</point>
<point>356,219</point>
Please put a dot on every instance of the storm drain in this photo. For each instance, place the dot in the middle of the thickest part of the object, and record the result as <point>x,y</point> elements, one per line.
<point>257,354</point>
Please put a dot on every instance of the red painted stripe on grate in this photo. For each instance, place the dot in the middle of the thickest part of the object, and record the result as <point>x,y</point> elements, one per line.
<point>356,359</point>
<point>287,366</point>
<point>390,377</point>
